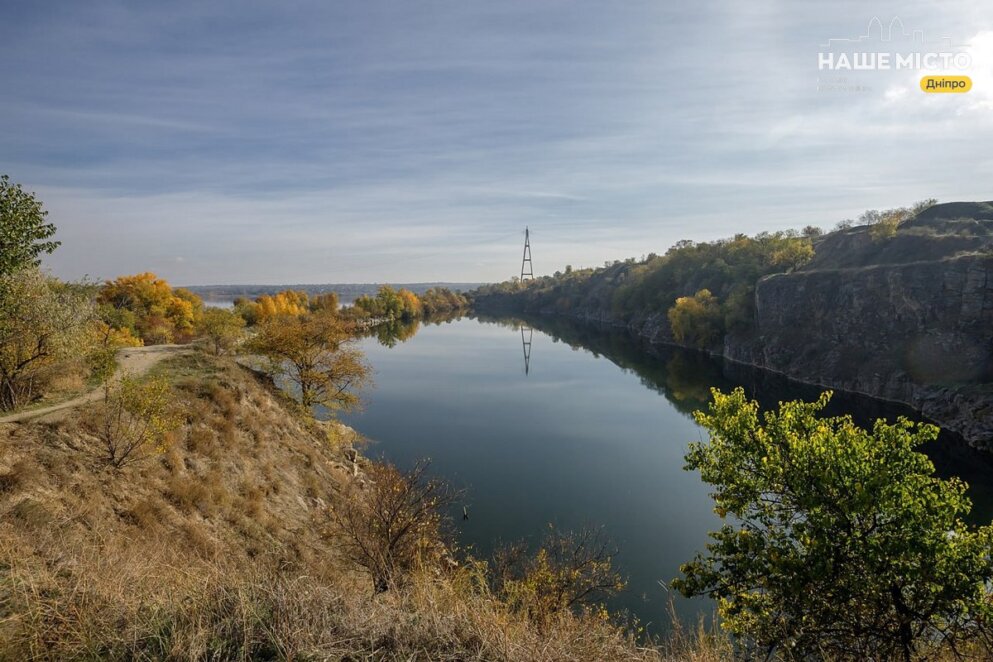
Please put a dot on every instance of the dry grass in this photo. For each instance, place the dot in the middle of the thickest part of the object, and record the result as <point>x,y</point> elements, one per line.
<point>216,550</point>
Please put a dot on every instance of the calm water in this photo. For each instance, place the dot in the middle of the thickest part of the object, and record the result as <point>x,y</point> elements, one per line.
<point>593,433</point>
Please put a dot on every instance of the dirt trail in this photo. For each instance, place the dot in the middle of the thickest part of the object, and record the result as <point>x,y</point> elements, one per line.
<point>130,361</point>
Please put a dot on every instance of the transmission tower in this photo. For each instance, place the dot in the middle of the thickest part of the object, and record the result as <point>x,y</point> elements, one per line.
<point>527,269</point>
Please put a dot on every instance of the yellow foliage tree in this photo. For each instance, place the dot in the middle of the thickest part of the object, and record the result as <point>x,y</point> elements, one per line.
<point>314,352</point>
<point>696,320</point>
<point>161,313</point>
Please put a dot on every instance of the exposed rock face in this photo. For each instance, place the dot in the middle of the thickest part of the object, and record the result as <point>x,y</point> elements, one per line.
<point>905,316</point>
<point>919,333</point>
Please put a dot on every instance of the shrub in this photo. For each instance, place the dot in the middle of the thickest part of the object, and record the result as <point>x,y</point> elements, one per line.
<point>390,526</point>
<point>842,543</point>
<point>222,329</point>
<point>569,571</point>
<point>137,419</point>
<point>42,322</point>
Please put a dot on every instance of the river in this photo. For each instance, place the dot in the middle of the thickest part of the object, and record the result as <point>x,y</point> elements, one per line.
<point>553,422</point>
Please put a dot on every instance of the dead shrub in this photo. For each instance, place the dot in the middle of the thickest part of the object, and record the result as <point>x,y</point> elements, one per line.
<point>201,439</point>
<point>146,514</point>
<point>395,523</point>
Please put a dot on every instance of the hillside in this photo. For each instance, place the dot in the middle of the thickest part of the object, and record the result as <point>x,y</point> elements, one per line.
<point>899,310</point>
<point>220,547</point>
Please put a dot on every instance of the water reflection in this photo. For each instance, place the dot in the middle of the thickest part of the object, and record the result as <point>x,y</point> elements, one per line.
<point>584,440</point>
<point>685,378</point>
<point>526,344</point>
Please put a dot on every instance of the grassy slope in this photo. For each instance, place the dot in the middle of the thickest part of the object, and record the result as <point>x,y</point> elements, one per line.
<point>219,549</point>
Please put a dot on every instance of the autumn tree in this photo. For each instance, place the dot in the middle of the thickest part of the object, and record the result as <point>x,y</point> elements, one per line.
<point>326,302</point>
<point>161,314</point>
<point>437,300</point>
<point>42,322</point>
<point>222,328</point>
<point>840,543</point>
<point>316,354</point>
<point>24,234</point>
<point>394,523</point>
<point>109,333</point>
<point>268,307</point>
<point>696,320</point>
<point>390,304</point>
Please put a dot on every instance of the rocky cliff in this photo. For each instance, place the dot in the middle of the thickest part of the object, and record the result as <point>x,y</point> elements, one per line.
<point>901,313</point>
<point>919,333</point>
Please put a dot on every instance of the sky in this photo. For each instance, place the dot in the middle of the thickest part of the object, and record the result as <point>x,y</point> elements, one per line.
<point>403,141</point>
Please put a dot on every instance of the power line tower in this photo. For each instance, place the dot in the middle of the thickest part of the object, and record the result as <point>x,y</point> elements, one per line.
<point>527,269</point>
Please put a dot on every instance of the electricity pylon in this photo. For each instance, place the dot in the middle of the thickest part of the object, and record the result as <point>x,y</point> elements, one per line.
<point>527,269</point>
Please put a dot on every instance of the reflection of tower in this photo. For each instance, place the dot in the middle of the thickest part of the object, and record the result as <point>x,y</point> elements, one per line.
<point>526,343</point>
<point>527,268</point>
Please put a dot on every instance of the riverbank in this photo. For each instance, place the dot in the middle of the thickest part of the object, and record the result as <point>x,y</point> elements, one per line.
<point>223,546</point>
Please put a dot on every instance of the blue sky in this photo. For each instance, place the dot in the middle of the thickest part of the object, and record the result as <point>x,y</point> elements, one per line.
<point>292,142</point>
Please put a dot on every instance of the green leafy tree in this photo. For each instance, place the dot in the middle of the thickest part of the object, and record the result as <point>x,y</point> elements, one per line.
<point>222,328</point>
<point>42,323</point>
<point>24,234</point>
<point>841,543</point>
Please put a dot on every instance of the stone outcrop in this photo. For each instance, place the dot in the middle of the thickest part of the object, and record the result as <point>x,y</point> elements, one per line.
<point>905,316</point>
<point>918,333</point>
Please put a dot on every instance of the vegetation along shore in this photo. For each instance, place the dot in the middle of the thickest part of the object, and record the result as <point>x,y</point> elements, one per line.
<point>174,483</point>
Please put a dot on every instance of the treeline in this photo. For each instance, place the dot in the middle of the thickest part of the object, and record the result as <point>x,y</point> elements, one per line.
<point>701,290</point>
<point>403,304</point>
<point>705,288</point>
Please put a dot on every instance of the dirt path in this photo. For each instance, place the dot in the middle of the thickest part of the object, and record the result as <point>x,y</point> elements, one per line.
<point>131,361</point>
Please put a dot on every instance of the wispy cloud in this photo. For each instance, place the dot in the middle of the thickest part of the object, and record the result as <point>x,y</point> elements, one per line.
<point>308,141</point>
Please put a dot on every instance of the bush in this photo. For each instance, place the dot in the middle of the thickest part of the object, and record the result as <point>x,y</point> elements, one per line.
<point>42,322</point>
<point>393,524</point>
<point>221,328</point>
<point>842,543</point>
<point>569,571</point>
<point>136,419</point>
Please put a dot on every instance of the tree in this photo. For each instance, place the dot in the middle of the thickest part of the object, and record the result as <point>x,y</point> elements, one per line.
<point>42,322</point>
<point>395,523</point>
<point>23,230</point>
<point>326,302</point>
<point>222,328</point>
<point>136,419</point>
<point>314,353</point>
<point>160,313</point>
<point>696,320</point>
<point>842,544</point>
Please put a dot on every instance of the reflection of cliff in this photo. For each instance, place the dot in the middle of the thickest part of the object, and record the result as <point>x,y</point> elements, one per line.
<point>684,377</point>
